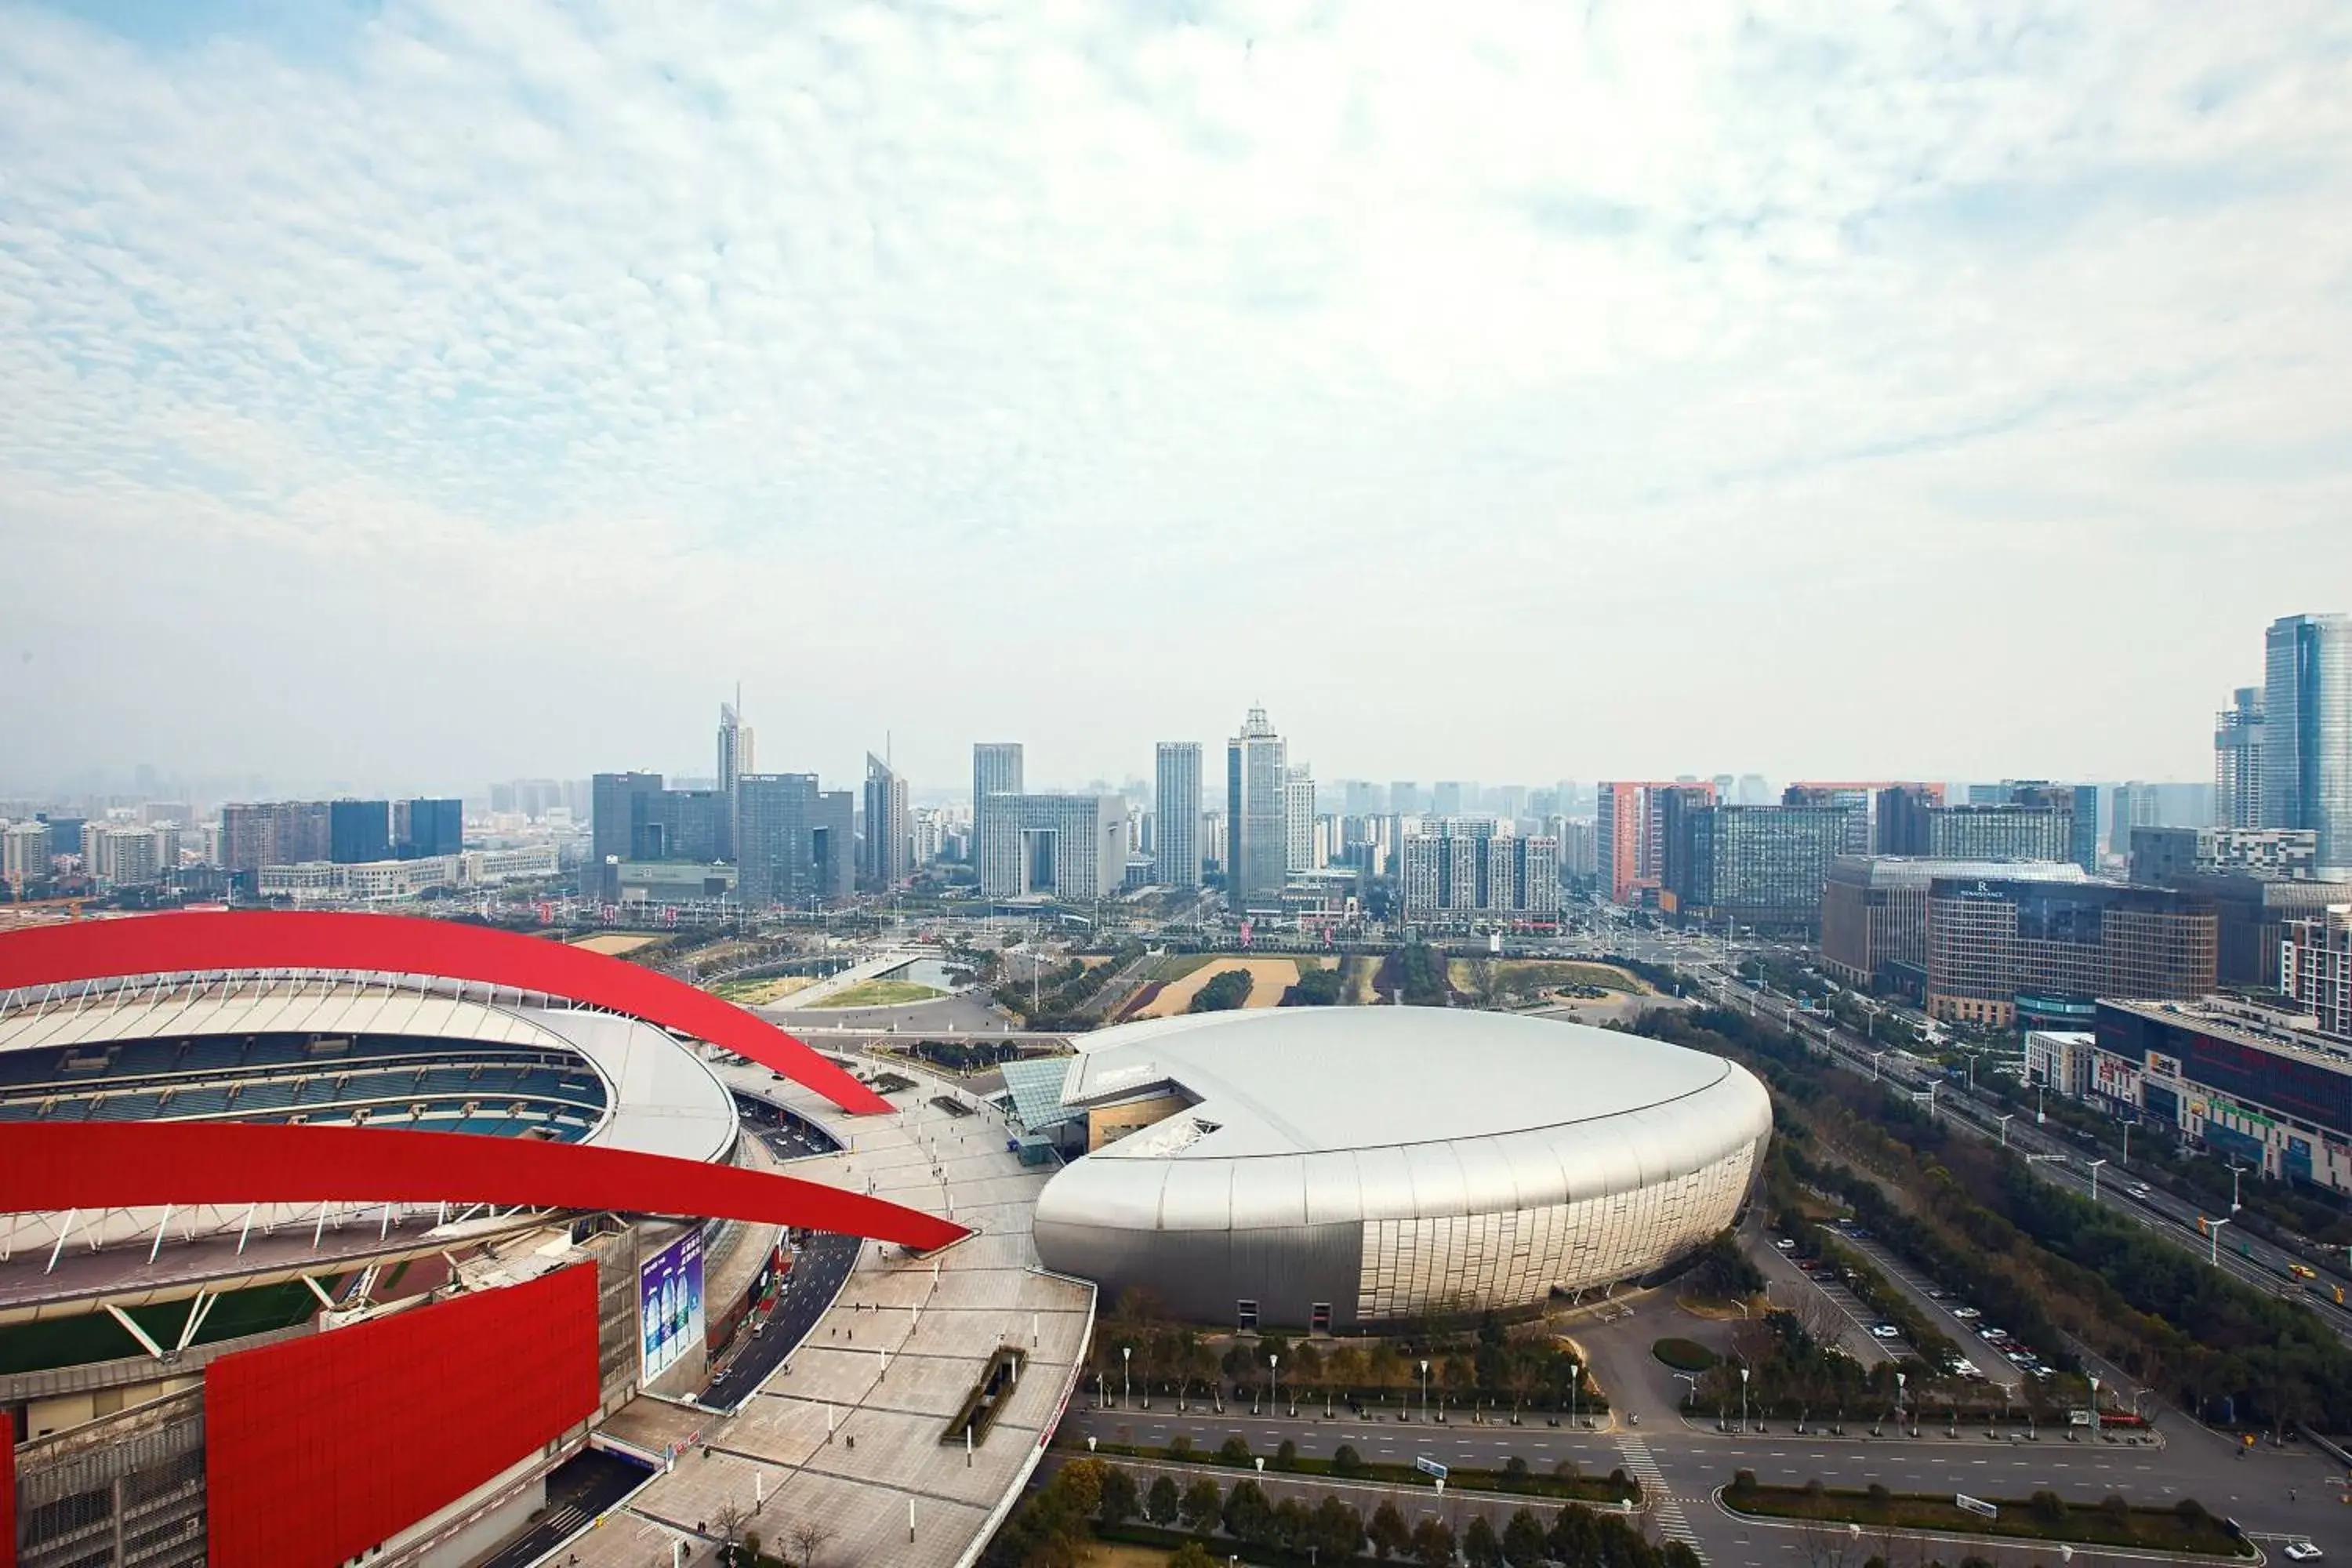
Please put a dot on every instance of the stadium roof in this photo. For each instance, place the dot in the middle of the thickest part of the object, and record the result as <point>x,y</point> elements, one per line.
<point>1300,1080</point>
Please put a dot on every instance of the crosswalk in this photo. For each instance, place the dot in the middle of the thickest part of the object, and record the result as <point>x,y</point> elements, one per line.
<point>1664,1506</point>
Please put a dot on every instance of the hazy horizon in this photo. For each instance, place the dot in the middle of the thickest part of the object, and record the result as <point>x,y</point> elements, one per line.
<point>419,395</point>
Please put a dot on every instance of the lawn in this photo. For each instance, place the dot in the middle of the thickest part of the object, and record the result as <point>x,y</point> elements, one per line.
<point>758,992</point>
<point>880,994</point>
<point>1528,973</point>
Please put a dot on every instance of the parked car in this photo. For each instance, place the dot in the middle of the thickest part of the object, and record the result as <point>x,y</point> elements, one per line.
<point>1965,1313</point>
<point>1786,1244</point>
<point>2303,1550</point>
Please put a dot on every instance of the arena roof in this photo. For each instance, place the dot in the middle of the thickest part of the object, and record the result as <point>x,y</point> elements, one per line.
<point>1302,1080</point>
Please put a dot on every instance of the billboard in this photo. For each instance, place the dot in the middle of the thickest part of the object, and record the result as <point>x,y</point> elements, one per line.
<point>670,1305</point>
<point>321,1448</point>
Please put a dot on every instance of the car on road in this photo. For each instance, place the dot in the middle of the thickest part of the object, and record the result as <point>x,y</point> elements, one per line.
<point>1786,1244</point>
<point>1965,1313</point>
<point>2303,1550</point>
<point>2139,1189</point>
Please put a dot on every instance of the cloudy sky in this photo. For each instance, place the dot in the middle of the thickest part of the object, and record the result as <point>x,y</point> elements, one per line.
<point>424,393</point>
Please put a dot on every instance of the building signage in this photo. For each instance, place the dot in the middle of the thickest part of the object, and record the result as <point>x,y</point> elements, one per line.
<point>1974,1505</point>
<point>1429,1467</point>
<point>670,1305</point>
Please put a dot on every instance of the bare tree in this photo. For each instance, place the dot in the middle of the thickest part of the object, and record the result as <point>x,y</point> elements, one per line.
<point>808,1538</point>
<point>728,1518</point>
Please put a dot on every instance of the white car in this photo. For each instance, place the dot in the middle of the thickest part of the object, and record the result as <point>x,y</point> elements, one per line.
<point>2303,1550</point>
<point>2139,1189</point>
<point>1886,1332</point>
<point>1785,1245</point>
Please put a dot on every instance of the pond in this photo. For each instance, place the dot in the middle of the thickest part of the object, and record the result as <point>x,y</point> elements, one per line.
<point>930,972</point>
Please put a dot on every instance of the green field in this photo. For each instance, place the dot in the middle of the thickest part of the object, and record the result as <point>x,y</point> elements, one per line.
<point>880,994</point>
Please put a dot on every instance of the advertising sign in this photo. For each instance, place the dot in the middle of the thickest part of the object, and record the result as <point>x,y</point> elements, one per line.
<point>670,1305</point>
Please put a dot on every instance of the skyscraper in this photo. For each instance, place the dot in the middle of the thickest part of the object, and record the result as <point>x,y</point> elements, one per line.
<point>890,830</point>
<point>1177,835</point>
<point>2238,760</point>
<point>2307,732</point>
<point>1257,765</point>
<point>794,840</point>
<point>1071,848</point>
<point>735,760</point>
<point>996,770</point>
<point>1298,820</point>
<point>359,830</point>
<point>612,812</point>
<point>435,827</point>
<point>1631,836</point>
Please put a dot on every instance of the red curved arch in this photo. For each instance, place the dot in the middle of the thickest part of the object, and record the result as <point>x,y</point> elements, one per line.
<point>405,944</point>
<point>90,1165</point>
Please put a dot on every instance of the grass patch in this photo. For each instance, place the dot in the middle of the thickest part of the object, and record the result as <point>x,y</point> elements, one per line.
<point>759,993</point>
<point>1521,1480</point>
<point>2184,1527</point>
<point>1175,966</point>
<point>880,994</point>
<point>1685,1356</point>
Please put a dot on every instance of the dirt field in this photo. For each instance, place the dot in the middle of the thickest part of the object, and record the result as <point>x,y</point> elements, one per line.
<point>613,944</point>
<point>1269,978</point>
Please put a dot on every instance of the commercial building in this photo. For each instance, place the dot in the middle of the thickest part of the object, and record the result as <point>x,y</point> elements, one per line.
<point>889,845</point>
<point>366,881</point>
<point>1762,866</point>
<point>2002,950</point>
<point>678,824</point>
<point>614,813</point>
<point>2256,1084</point>
<point>1874,912</point>
<point>2307,732</point>
<point>2253,913</point>
<point>1176,795</point>
<point>1256,814</point>
<point>1998,833</point>
<point>997,769</point>
<point>2238,760</point>
<point>737,756</point>
<point>1071,848</point>
<point>1328,1169</point>
<point>2316,967</point>
<point>2161,856</point>
<point>1862,799</point>
<point>427,827</point>
<point>797,840</point>
<point>1632,835</point>
<point>1460,870</point>
<point>359,830</point>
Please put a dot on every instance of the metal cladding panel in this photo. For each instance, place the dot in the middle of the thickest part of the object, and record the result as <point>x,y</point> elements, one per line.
<point>1385,1182</point>
<point>401,944</point>
<point>1436,1176</point>
<point>1335,1188</point>
<point>1269,1191</point>
<point>1205,1275</point>
<point>1489,1179</point>
<point>320,1448</point>
<point>1199,1196</point>
<point>98,1166</point>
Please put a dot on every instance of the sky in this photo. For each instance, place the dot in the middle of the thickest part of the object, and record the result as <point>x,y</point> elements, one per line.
<point>413,395</point>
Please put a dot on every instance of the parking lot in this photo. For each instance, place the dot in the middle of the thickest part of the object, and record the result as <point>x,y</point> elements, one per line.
<point>1952,1316</point>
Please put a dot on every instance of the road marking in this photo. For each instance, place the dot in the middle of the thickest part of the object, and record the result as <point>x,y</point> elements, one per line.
<point>1673,1523</point>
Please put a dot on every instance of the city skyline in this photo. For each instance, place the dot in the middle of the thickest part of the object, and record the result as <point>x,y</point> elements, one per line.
<point>479,396</point>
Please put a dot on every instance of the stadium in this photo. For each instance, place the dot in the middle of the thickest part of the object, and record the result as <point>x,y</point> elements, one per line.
<point>1336,1168</point>
<point>331,1236</point>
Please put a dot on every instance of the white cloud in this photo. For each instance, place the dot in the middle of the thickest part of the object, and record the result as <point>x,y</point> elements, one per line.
<point>1637,387</point>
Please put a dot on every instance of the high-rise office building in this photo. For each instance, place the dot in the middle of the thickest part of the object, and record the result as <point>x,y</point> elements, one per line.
<point>430,826</point>
<point>795,842</point>
<point>1176,842</point>
<point>1859,799</point>
<point>1899,823</point>
<point>1361,797</point>
<point>1999,951</point>
<point>1256,770</point>
<point>1761,866</point>
<point>1874,912</point>
<point>996,770</point>
<point>889,832</point>
<point>2133,805</point>
<point>1299,820</point>
<point>1405,798</point>
<point>614,813</point>
<point>678,824</point>
<point>275,832</point>
<point>1631,832</point>
<point>2238,760</point>
<point>2316,967</point>
<point>1071,848</point>
<point>2162,856</point>
<point>2307,732</point>
<point>736,758</point>
<point>1452,797</point>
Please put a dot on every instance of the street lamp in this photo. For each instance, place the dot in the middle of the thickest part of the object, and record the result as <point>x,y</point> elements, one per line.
<point>2212,1229</point>
<point>1875,1058</point>
<point>1693,1398</point>
<point>2236,1170</point>
<point>1743,1401</point>
<point>1274,1367</point>
<point>2095,1178</point>
<point>1425,1392</point>
<point>1126,1355</point>
<point>2004,1121</point>
<point>1574,1372</point>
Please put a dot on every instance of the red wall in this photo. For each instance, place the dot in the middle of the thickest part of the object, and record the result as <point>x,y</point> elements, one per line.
<point>318,1448</point>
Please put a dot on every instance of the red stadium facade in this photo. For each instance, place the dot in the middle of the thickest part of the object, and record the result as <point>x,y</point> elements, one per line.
<point>402,944</point>
<point>320,1449</point>
<point>96,1166</point>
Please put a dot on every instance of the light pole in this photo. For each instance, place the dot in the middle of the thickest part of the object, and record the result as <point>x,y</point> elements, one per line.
<point>2212,1229</point>
<point>2236,1170</point>
<point>1875,1058</point>
<point>1693,1398</point>
<point>2038,1118</point>
<point>1574,1372</point>
<point>1743,1402</point>
<point>2127,1127</point>
<point>2004,1121</point>
<point>1899,1381</point>
<point>1424,1393</point>
<point>2095,1178</point>
<point>1274,1367</point>
<point>1126,1355</point>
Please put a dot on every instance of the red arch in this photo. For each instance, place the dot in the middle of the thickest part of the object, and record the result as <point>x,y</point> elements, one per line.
<point>94,1165</point>
<point>403,944</point>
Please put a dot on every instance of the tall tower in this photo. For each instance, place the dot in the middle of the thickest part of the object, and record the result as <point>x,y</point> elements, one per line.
<point>735,760</point>
<point>1176,839</point>
<point>1298,820</point>
<point>996,770</point>
<point>889,853</point>
<point>2238,760</point>
<point>1255,769</point>
<point>2307,732</point>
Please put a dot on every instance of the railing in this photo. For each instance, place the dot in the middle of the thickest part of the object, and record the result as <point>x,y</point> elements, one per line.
<point>22,1387</point>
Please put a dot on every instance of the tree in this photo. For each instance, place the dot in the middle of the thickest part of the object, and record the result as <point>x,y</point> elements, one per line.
<point>1433,1544</point>
<point>1249,1516</point>
<point>1120,1497</point>
<point>808,1538</point>
<point>1389,1534</point>
<point>1161,1503</point>
<point>1286,1457</point>
<point>1191,1554</point>
<point>1523,1540</point>
<point>1338,1533</point>
<point>1481,1544</point>
<point>1346,1461</point>
<point>2048,1507</point>
<point>1294,1524</point>
<point>1234,1450</point>
<point>728,1519</point>
<point>1202,1506</point>
<point>1514,1471</point>
<point>1223,994</point>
